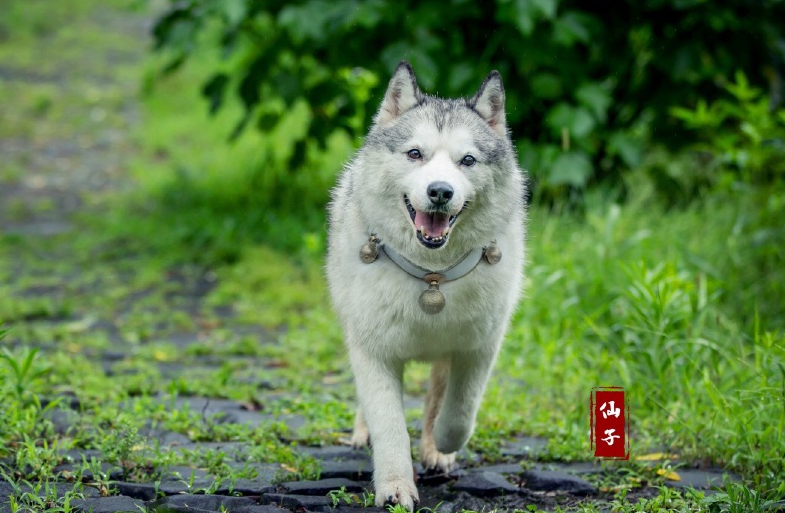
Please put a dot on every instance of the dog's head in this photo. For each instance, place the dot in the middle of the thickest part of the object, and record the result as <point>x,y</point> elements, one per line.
<point>445,166</point>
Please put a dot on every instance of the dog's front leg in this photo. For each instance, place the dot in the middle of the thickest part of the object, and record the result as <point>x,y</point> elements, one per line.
<point>380,394</point>
<point>465,387</point>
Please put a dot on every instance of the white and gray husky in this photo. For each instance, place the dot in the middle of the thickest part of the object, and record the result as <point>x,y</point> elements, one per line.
<point>425,262</point>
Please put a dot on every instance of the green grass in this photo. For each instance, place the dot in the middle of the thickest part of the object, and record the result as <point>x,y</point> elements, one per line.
<point>669,303</point>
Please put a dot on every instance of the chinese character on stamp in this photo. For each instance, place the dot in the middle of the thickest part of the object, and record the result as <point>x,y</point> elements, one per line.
<point>610,423</point>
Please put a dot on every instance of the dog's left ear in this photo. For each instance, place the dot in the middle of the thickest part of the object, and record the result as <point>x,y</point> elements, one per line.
<point>489,103</point>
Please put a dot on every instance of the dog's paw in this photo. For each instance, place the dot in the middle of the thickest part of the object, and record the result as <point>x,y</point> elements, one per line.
<point>433,460</point>
<point>360,438</point>
<point>398,491</point>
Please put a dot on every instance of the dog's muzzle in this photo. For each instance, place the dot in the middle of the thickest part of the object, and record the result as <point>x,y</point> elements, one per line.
<point>433,225</point>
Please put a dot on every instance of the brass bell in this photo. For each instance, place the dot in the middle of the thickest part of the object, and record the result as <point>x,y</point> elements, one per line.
<point>370,250</point>
<point>492,253</point>
<point>432,301</point>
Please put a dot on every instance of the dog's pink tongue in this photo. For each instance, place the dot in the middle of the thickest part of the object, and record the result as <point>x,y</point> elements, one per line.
<point>434,223</point>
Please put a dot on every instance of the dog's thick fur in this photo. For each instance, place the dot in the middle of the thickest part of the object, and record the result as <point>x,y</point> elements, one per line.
<point>383,324</point>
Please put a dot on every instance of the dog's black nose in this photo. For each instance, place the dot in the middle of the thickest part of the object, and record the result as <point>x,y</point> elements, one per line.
<point>440,193</point>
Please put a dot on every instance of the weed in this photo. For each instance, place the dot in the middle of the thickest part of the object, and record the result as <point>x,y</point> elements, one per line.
<point>25,372</point>
<point>739,498</point>
<point>366,500</point>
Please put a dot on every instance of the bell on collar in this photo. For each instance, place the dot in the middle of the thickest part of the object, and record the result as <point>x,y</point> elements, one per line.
<point>492,253</point>
<point>370,250</point>
<point>432,301</point>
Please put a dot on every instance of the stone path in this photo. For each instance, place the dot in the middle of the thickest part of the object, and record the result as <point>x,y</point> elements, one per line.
<point>344,481</point>
<point>345,478</point>
<point>62,171</point>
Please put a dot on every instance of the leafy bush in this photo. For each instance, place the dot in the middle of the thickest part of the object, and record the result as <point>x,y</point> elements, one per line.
<point>588,84</point>
<point>739,149</point>
<point>740,136</point>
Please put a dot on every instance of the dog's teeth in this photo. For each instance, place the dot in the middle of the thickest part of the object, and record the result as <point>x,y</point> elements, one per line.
<point>446,232</point>
<point>422,231</point>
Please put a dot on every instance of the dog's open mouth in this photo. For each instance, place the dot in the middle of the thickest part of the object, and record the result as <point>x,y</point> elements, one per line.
<point>432,228</point>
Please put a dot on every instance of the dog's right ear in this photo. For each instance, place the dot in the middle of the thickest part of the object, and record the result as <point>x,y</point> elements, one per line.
<point>402,94</point>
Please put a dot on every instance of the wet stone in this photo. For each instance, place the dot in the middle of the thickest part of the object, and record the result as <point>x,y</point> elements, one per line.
<point>508,503</point>
<point>204,503</point>
<point>446,507</point>
<point>75,469</point>
<point>523,446</point>
<point>175,487</point>
<point>586,467</point>
<point>113,356</point>
<point>170,438</point>
<point>267,471</point>
<point>142,491</point>
<point>62,420</point>
<point>233,450</point>
<point>349,469</point>
<point>334,452</point>
<point>89,492</point>
<point>484,484</point>
<point>504,468</point>
<point>549,480</point>
<point>345,508</point>
<point>116,504</point>
<point>701,479</point>
<point>321,487</point>
<point>222,411</point>
<point>297,502</point>
<point>256,486</point>
<point>76,455</point>
<point>432,478</point>
<point>183,473</point>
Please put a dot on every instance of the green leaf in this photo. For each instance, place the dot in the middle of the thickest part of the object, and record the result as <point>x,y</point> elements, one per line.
<point>233,10</point>
<point>596,98</point>
<point>577,120</point>
<point>427,69</point>
<point>460,76</point>
<point>627,147</point>
<point>573,168</point>
<point>570,28</point>
<point>366,14</point>
<point>546,85</point>
<point>525,13</point>
<point>546,7</point>
<point>741,89</point>
<point>537,159</point>
<point>214,90</point>
<point>315,20</point>
<point>175,28</point>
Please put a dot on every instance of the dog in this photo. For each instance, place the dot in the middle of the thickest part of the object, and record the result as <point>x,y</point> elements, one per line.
<point>425,262</point>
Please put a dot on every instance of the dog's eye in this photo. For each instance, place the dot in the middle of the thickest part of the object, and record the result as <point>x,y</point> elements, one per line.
<point>414,154</point>
<point>468,161</point>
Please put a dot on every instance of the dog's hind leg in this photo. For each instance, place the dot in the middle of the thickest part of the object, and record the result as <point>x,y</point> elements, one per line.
<point>430,457</point>
<point>361,437</point>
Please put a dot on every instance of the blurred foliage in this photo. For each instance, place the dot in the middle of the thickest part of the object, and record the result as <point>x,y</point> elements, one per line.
<point>740,150</point>
<point>739,137</point>
<point>589,85</point>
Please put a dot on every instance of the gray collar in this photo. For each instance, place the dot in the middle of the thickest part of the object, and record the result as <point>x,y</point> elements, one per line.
<point>460,269</point>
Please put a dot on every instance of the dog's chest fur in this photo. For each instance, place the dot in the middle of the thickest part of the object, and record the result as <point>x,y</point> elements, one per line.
<point>379,301</point>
